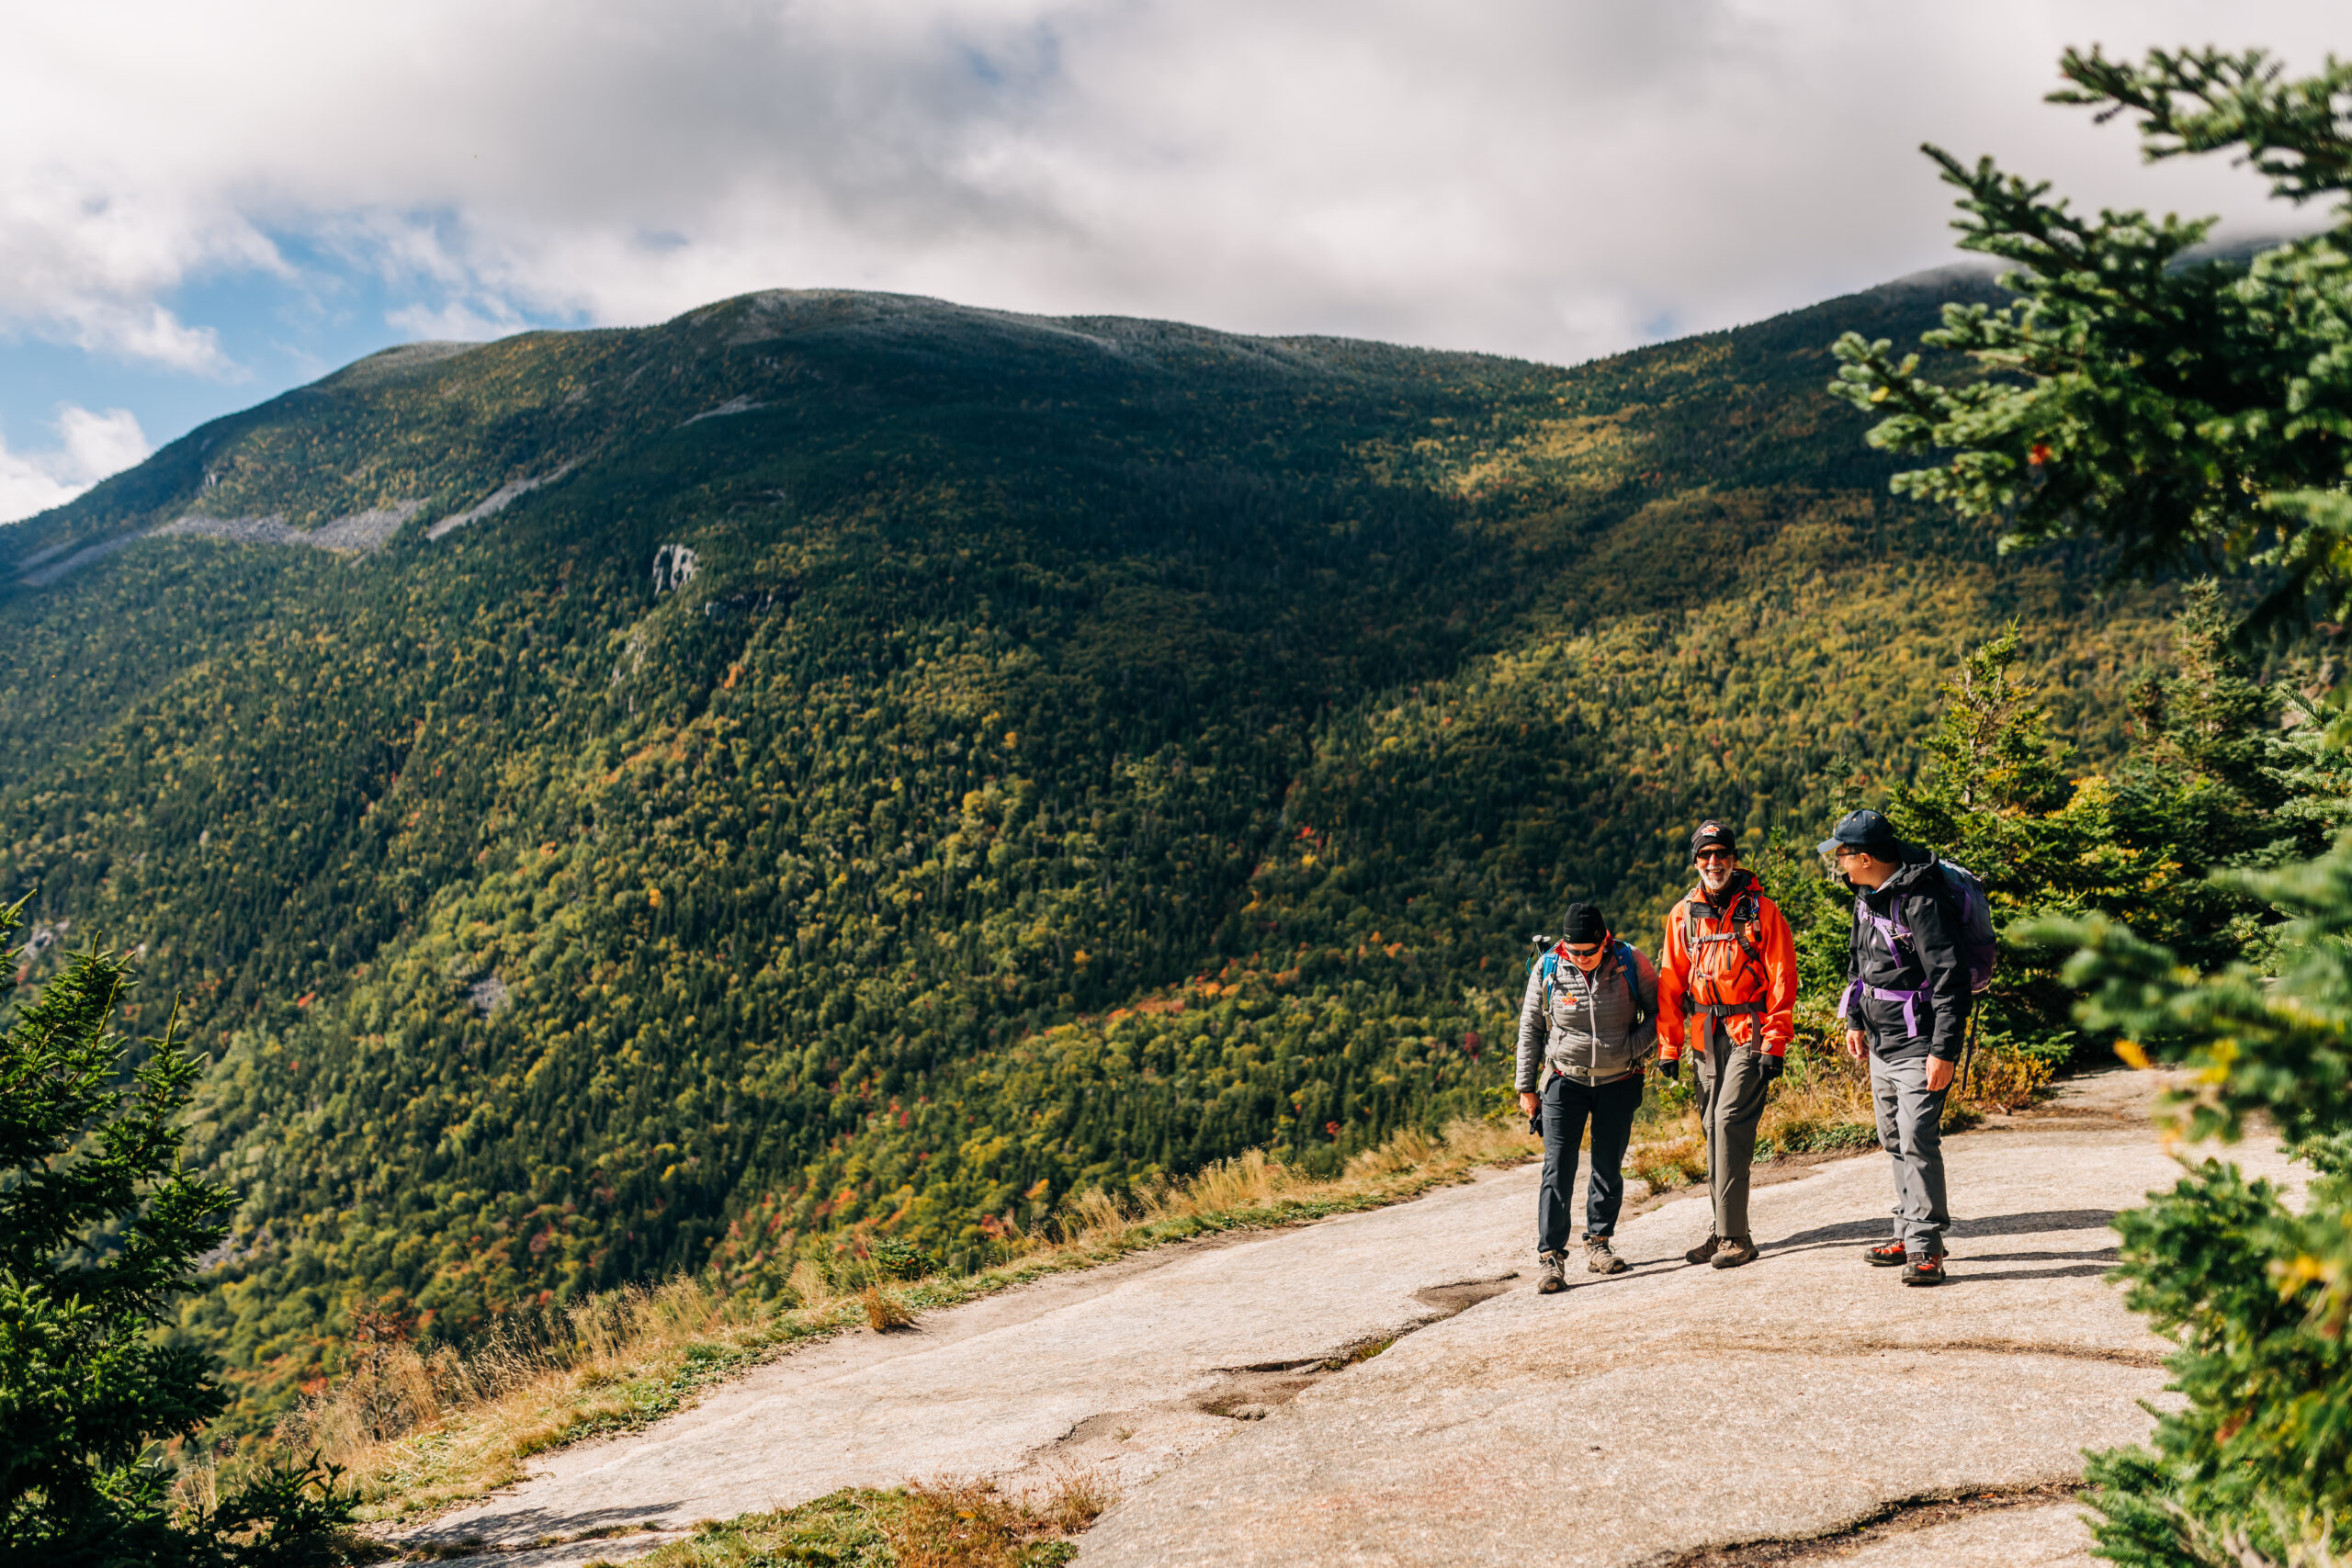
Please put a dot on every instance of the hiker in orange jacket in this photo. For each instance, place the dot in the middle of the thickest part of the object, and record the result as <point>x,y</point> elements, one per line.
<point>1729,964</point>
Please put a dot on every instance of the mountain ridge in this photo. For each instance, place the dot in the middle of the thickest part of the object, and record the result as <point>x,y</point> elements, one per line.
<point>840,308</point>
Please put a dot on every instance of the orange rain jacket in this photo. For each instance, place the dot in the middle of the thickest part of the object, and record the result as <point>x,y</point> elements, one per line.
<point>1730,965</point>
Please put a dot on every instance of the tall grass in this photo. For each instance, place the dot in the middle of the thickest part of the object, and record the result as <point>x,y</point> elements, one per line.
<point>416,1429</point>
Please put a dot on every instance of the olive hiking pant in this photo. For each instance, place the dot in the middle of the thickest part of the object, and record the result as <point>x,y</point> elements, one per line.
<point>1731,1100</point>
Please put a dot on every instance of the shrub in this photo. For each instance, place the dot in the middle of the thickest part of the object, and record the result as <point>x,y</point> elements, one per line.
<point>2256,1465</point>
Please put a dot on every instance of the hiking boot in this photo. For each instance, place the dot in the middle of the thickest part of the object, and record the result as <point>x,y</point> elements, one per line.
<point>1924,1268</point>
<point>1888,1255</point>
<point>1553,1281</point>
<point>1600,1258</point>
<point>1734,1252</point>
<point>1703,1251</point>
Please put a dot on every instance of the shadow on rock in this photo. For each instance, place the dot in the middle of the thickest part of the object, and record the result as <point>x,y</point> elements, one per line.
<point>2043,1223</point>
<point>524,1526</point>
<point>2047,1221</point>
<point>2079,1271</point>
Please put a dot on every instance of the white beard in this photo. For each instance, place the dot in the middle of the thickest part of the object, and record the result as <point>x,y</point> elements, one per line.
<point>1715,878</point>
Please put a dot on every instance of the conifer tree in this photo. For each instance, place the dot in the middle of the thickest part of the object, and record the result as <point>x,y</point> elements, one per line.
<point>2187,411</point>
<point>2193,412</point>
<point>99,1228</point>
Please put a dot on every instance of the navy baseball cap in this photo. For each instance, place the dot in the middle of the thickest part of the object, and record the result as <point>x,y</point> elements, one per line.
<point>1865,830</point>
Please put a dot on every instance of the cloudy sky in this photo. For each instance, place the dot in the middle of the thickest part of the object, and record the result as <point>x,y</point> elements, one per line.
<point>203,205</point>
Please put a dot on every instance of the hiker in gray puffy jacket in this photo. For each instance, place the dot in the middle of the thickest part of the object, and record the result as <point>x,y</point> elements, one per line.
<point>1587,1030</point>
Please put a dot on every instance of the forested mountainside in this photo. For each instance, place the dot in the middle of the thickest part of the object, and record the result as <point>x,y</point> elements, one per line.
<point>613,801</point>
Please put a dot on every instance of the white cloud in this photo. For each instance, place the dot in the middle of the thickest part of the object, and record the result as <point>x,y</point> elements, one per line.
<point>90,446</point>
<point>457,320</point>
<point>1549,177</point>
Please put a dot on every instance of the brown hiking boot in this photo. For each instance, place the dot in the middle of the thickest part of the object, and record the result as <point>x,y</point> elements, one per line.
<point>1735,1251</point>
<point>1600,1258</point>
<point>1924,1268</point>
<point>1553,1281</point>
<point>1703,1251</point>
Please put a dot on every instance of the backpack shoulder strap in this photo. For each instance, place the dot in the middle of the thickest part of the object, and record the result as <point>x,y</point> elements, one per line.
<point>1748,910</point>
<point>1892,928</point>
<point>1551,973</point>
<point>1643,1006</point>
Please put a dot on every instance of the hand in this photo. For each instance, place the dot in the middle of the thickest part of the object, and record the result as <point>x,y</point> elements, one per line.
<point>1671,1067</point>
<point>1939,1072</point>
<point>1529,1104</point>
<point>1856,1043</point>
<point>1773,1064</point>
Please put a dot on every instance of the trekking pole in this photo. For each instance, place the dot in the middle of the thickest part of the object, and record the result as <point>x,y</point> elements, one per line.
<point>1967,1052</point>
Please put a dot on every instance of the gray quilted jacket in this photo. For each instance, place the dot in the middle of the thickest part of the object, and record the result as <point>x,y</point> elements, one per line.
<point>1587,1027</point>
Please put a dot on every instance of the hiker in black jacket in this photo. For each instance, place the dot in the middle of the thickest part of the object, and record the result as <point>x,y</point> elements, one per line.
<point>1906,1005</point>
<point>1587,1030</point>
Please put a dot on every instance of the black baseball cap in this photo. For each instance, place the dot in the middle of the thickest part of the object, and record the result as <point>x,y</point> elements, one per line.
<point>1865,830</point>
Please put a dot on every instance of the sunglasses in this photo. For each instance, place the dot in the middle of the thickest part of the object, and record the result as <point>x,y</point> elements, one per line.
<point>1706,855</point>
<point>1584,952</point>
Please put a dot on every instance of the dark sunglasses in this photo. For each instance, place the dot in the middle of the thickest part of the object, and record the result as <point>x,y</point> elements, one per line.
<point>1594,952</point>
<point>1715,854</point>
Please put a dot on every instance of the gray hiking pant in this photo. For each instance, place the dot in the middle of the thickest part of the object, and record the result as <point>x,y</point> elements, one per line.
<point>1910,1129</point>
<point>1730,1101</point>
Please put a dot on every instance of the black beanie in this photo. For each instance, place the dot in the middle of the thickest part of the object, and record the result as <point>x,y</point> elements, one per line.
<point>1714,835</point>
<point>1586,924</point>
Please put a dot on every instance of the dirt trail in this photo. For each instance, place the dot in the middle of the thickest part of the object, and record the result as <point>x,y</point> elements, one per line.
<point>1671,1415</point>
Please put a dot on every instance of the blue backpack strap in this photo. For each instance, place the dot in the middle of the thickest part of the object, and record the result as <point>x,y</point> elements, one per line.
<point>1642,1005</point>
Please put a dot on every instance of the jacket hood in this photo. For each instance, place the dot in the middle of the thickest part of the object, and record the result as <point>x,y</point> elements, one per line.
<point>1919,863</point>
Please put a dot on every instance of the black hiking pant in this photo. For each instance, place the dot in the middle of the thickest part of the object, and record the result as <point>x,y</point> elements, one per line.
<point>1568,1106</point>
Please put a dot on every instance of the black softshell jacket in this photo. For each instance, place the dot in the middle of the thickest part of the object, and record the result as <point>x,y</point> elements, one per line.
<point>1917,897</point>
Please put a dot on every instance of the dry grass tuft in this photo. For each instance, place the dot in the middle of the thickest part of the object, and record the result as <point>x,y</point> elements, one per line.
<point>952,1524</point>
<point>2006,1080</point>
<point>884,1312</point>
<point>945,1523</point>
<point>970,1524</point>
<point>1669,1162</point>
<point>1075,1498</point>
